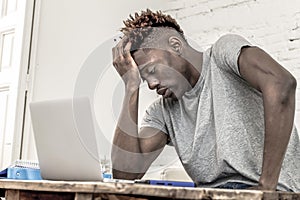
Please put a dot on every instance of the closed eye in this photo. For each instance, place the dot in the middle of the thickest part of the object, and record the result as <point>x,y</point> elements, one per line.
<point>152,70</point>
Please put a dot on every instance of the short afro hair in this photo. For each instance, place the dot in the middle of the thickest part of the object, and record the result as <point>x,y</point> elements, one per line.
<point>137,28</point>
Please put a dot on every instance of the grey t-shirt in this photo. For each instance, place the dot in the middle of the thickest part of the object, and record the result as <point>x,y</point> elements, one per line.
<point>217,128</point>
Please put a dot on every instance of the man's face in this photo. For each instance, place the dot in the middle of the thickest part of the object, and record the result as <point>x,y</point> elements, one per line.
<point>164,72</point>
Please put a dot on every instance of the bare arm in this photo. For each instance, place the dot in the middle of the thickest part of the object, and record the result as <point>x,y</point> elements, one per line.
<point>278,90</point>
<point>132,152</point>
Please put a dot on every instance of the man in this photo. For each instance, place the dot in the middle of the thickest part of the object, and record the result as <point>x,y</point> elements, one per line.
<point>228,111</point>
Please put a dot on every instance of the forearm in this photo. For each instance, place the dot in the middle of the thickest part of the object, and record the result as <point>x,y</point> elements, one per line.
<point>279,108</point>
<point>127,129</point>
<point>126,150</point>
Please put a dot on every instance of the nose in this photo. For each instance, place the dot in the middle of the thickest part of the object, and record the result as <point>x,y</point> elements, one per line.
<point>153,83</point>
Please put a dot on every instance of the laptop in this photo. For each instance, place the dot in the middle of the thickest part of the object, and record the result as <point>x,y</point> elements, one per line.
<point>65,140</point>
<point>66,143</point>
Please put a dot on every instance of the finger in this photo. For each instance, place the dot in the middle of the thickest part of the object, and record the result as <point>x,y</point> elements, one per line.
<point>118,52</point>
<point>119,49</point>
<point>127,47</point>
<point>116,56</point>
<point>113,50</point>
<point>124,41</point>
<point>124,44</point>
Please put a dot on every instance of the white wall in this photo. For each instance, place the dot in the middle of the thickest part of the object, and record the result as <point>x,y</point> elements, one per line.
<point>274,25</point>
<point>69,36</point>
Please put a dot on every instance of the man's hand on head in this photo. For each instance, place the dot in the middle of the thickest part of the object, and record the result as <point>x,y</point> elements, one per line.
<point>125,64</point>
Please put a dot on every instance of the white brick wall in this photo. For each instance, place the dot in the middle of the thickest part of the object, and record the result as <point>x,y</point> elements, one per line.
<point>274,25</point>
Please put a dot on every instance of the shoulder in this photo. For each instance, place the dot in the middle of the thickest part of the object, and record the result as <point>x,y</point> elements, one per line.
<point>226,50</point>
<point>226,42</point>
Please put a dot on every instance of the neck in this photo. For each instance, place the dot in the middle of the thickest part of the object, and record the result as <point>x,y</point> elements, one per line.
<point>195,58</point>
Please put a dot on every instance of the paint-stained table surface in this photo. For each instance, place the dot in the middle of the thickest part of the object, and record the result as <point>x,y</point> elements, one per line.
<point>67,190</point>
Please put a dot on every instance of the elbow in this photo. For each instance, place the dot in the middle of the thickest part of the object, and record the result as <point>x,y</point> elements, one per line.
<point>291,83</point>
<point>125,167</point>
<point>126,175</point>
<point>286,90</point>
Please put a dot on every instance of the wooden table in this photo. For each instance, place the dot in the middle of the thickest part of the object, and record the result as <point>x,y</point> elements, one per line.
<point>64,190</point>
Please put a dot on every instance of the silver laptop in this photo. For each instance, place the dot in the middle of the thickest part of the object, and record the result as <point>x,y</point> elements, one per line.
<point>65,140</point>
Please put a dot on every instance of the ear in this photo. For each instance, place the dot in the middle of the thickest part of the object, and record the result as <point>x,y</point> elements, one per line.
<point>175,44</point>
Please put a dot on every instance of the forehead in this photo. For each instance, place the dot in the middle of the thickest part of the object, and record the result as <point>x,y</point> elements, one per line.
<point>140,55</point>
<point>144,56</point>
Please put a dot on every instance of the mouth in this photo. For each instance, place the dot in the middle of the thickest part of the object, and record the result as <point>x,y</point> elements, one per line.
<point>165,92</point>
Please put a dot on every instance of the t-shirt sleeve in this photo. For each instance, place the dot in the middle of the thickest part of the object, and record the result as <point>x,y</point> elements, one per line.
<point>226,51</point>
<point>154,118</point>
